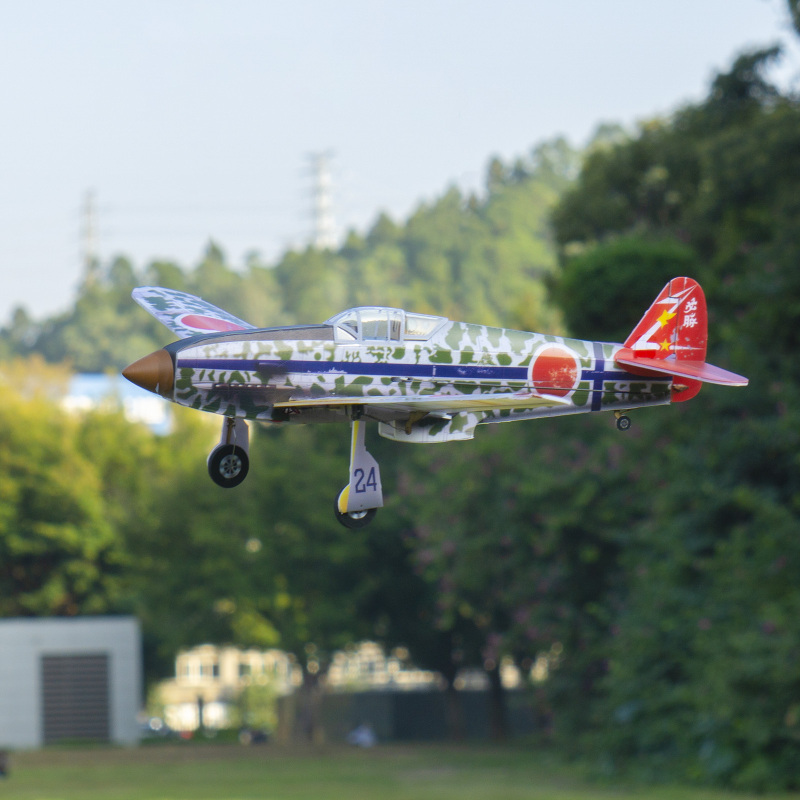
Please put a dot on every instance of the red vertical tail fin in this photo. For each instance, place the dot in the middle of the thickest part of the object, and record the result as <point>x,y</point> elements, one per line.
<point>671,339</point>
<point>675,326</point>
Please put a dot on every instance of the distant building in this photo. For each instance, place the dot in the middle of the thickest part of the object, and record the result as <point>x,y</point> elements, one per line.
<point>90,391</point>
<point>210,678</point>
<point>69,678</point>
<point>367,667</point>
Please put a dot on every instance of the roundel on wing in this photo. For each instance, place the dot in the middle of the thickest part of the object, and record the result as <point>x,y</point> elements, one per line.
<point>202,323</point>
<point>555,370</point>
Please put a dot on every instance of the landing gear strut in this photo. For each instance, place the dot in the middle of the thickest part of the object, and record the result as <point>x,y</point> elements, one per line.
<point>359,501</point>
<point>228,462</point>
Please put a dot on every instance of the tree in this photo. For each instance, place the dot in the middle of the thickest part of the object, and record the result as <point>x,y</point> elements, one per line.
<point>609,287</point>
<point>700,681</point>
<point>60,553</point>
<point>794,14</point>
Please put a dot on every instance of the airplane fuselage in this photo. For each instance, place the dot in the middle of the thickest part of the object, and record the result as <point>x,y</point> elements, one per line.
<point>473,373</point>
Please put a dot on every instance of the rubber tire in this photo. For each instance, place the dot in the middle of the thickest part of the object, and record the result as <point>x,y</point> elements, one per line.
<point>228,465</point>
<point>623,423</point>
<point>354,522</point>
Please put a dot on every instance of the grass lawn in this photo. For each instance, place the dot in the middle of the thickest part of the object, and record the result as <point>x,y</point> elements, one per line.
<point>271,772</point>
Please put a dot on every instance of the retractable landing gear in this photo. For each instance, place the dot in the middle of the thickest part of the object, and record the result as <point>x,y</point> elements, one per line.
<point>359,501</point>
<point>228,462</point>
<point>623,421</point>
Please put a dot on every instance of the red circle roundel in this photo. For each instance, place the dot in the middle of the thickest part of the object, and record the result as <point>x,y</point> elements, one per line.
<point>204,324</point>
<point>555,370</point>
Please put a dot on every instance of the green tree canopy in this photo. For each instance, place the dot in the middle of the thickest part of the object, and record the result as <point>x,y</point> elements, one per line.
<point>702,676</point>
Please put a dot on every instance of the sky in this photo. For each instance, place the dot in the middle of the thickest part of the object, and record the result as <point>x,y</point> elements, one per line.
<point>182,121</point>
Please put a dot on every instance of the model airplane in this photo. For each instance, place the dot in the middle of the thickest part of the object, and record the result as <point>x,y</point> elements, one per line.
<point>422,378</point>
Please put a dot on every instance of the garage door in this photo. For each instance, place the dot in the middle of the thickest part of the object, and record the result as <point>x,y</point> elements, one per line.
<point>75,697</point>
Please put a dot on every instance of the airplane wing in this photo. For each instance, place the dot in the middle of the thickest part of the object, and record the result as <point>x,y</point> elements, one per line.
<point>184,314</point>
<point>434,403</point>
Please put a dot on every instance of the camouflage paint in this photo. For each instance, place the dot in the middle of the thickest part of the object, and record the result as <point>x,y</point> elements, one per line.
<point>253,378</point>
<point>422,390</point>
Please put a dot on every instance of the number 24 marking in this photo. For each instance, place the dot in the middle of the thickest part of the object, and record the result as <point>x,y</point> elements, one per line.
<point>371,481</point>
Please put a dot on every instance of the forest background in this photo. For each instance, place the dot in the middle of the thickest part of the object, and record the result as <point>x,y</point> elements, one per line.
<point>655,570</point>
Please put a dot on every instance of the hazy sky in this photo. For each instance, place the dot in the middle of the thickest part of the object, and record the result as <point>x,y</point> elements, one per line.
<point>191,120</point>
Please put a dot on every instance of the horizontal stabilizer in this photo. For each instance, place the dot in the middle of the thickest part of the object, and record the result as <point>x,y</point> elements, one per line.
<point>694,370</point>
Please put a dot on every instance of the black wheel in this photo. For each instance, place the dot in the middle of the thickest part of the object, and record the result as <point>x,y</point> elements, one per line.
<point>623,423</point>
<point>228,465</point>
<point>355,519</point>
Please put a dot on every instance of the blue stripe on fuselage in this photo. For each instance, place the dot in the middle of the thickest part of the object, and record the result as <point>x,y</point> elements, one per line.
<point>596,375</point>
<point>368,368</point>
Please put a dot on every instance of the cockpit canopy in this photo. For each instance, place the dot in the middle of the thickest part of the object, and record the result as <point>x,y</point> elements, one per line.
<point>375,323</point>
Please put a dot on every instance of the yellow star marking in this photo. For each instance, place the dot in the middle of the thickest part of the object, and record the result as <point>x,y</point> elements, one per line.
<point>665,345</point>
<point>665,317</point>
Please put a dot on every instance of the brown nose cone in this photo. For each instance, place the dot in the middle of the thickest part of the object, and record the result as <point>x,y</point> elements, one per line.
<point>155,372</point>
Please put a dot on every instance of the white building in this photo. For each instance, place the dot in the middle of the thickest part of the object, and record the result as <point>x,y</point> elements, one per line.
<point>211,678</point>
<point>69,678</point>
<point>89,391</point>
<point>366,666</point>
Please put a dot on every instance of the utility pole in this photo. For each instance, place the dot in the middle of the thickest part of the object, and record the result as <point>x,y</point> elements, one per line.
<point>324,236</point>
<point>91,263</point>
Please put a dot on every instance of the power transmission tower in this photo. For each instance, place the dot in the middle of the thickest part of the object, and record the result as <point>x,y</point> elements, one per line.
<point>324,236</point>
<point>91,264</point>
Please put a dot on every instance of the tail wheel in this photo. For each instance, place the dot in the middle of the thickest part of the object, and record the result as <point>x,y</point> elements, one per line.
<point>354,519</point>
<point>623,422</point>
<point>228,465</point>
